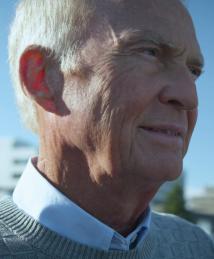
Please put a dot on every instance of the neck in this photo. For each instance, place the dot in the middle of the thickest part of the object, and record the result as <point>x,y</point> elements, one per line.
<point>115,202</point>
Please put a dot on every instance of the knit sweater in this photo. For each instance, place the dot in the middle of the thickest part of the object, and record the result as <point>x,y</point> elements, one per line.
<point>170,237</point>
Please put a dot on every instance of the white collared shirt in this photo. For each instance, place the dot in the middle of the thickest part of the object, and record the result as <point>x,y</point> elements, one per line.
<point>46,204</point>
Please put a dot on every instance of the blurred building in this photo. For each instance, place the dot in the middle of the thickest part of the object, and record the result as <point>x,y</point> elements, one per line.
<point>202,208</point>
<point>14,154</point>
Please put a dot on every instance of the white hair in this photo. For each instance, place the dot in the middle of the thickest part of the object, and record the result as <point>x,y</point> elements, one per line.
<point>58,25</point>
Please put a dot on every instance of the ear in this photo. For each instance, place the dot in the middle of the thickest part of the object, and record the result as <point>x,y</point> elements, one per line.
<point>33,71</point>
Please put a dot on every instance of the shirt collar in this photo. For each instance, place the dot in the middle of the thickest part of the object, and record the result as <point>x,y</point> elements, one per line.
<point>46,204</point>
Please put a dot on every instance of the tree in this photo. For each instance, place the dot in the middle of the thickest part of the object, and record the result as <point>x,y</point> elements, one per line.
<point>175,203</point>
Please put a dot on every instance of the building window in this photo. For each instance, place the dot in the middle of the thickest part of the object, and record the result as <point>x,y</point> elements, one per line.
<point>20,161</point>
<point>16,175</point>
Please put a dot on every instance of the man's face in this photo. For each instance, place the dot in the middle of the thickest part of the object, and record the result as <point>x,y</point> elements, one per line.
<point>134,116</point>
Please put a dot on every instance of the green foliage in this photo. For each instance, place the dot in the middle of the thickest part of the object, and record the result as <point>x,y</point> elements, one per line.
<point>175,203</point>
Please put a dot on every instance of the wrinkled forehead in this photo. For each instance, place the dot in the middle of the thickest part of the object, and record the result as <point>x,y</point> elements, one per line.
<point>138,13</point>
<point>167,20</point>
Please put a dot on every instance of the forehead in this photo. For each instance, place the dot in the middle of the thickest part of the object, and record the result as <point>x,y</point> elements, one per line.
<point>166,20</point>
<point>144,13</point>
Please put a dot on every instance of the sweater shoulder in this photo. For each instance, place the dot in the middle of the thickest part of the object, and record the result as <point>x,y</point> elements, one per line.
<point>4,234</point>
<point>170,221</point>
<point>10,244</point>
<point>182,237</point>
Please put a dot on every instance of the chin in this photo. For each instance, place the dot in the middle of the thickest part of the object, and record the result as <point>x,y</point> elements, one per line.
<point>173,176</point>
<point>171,173</point>
<point>159,173</point>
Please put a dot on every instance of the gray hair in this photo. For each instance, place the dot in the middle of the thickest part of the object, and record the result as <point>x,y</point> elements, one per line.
<point>58,25</point>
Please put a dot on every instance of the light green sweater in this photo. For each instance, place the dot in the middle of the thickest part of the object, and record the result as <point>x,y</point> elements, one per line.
<point>169,238</point>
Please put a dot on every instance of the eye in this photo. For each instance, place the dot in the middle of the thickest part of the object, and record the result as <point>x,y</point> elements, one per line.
<point>147,51</point>
<point>196,71</point>
<point>152,52</point>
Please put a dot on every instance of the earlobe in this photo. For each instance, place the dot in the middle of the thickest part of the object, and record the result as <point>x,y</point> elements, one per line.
<point>32,70</point>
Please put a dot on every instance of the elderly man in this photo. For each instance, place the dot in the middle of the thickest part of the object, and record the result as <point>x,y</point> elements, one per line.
<point>109,87</point>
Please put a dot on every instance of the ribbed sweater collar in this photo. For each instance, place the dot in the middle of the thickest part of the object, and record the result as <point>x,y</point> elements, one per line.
<point>52,244</point>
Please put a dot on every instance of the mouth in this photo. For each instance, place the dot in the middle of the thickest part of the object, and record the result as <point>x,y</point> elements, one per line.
<point>165,131</point>
<point>167,135</point>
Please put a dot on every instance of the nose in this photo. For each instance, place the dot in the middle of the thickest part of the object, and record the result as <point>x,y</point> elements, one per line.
<point>179,89</point>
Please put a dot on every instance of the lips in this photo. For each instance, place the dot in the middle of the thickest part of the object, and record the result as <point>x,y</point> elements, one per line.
<point>167,130</point>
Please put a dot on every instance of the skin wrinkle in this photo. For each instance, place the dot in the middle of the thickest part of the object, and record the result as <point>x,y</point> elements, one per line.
<point>126,44</point>
<point>113,80</point>
<point>62,21</point>
<point>129,40</point>
<point>102,153</point>
<point>110,61</point>
<point>104,110</point>
<point>116,52</point>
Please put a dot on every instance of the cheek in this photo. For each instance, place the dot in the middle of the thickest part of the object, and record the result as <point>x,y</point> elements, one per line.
<point>137,84</point>
<point>134,92</point>
<point>192,118</point>
<point>127,81</point>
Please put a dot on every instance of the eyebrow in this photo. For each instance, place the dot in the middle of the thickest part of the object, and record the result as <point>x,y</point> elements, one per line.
<point>129,38</point>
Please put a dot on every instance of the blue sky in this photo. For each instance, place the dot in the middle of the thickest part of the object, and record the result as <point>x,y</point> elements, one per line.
<point>199,163</point>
